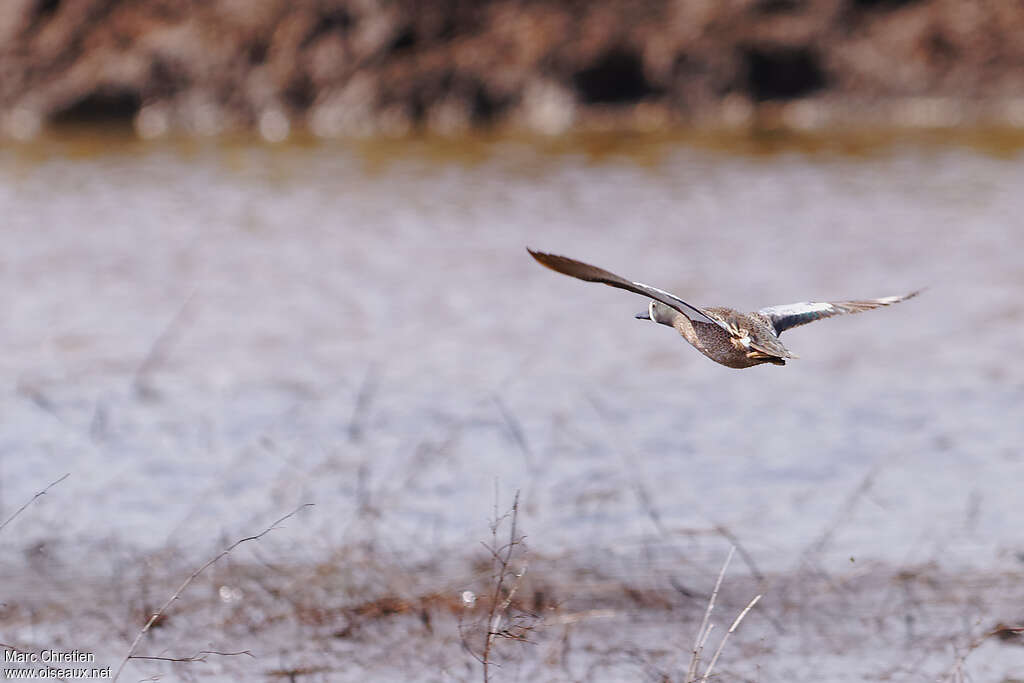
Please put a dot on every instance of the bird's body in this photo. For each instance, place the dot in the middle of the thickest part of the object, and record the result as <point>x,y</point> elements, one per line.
<point>732,349</point>
<point>726,336</point>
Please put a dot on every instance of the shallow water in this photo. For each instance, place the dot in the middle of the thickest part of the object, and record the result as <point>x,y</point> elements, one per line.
<point>361,328</point>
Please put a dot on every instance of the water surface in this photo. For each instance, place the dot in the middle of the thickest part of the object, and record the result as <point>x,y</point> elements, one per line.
<point>206,336</point>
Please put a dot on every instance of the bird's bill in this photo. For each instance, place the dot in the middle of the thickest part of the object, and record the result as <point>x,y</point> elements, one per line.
<point>643,316</point>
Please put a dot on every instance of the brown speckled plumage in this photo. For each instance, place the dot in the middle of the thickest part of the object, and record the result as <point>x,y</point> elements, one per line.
<point>726,336</point>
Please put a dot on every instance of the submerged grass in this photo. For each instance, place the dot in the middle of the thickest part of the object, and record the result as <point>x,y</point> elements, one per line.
<point>356,614</point>
<point>599,612</point>
<point>595,613</point>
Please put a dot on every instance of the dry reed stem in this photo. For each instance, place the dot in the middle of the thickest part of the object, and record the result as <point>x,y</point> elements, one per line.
<point>502,557</point>
<point>721,645</point>
<point>197,657</point>
<point>159,349</point>
<point>747,558</point>
<point>506,583</point>
<point>692,675</point>
<point>645,499</point>
<point>185,584</point>
<point>361,406</point>
<point>956,673</point>
<point>32,500</point>
<point>515,429</point>
<point>705,629</point>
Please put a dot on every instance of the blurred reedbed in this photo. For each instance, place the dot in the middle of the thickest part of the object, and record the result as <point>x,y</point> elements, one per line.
<point>352,69</point>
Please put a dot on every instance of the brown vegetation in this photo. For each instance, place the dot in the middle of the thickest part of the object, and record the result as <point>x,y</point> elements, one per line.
<point>359,67</point>
<point>567,619</point>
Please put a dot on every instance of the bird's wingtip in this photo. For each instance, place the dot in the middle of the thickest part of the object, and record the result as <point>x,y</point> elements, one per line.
<point>544,258</point>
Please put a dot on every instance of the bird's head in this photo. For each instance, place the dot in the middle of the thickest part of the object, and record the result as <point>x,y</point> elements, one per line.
<point>659,313</point>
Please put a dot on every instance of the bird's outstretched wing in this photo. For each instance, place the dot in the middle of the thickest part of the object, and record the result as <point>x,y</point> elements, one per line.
<point>585,271</point>
<point>792,315</point>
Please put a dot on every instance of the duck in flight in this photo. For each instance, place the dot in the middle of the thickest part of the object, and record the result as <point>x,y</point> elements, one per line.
<point>726,336</point>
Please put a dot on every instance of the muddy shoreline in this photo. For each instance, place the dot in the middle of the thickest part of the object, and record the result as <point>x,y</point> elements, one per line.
<point>359,68</point>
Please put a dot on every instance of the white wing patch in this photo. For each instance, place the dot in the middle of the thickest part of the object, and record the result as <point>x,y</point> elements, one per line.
<point>791,315</point>
<point>802,308</point>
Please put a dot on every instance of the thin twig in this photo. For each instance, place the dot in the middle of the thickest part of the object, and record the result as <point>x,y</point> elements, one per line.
<point>32,500</point>
<point>185,584</point>
<point>647,504</point>
<point>705,630</point>
<point>364,398</point>
<point>956,673</point>
<point>495,612</point>
<point>515,430</point>
<point>5,646</point>
<point>158,351</point>
<point>508,599</point>
<point>755,572</point>
<point>844,513</point>
<point>197,657</point>
<point>744,555</point>
<point>721,645</point>
<point>644,497</point>
<point>703,642</point>
<point>502,619</point>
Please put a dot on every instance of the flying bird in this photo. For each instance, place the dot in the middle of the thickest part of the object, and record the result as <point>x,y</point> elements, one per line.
<point>726,336</point>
